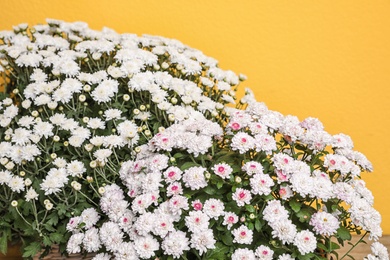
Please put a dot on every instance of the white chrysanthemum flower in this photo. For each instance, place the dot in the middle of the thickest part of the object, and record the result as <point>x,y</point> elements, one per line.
<point>202,241</point>
<point>243,254</point>
<point>305,241</point>
<point>194,178</point>
<point>214,208</point>
<point>265,143</point>
<point>302,183</point>
<point>197,221</point>
<point>26,121</point>
<point>252,167</point>
<point>229,219</point>
<point>21,136</point>
<point>5,177</point>
<point>324,223</point>
<point>102,154</point>
<point>31,194</point>
<point>16,184</point>
<point>172,174</point>
<point>163,225</point>
<point>91,240</point>
<point>261,184</point>
<point>285,257</point>
<point>242,197</point>
<point>111,236</point>
<point>112,113</point>
<point>60,162</point>
<point>145,246</point>
<point>178,203</point>
<point>175,244</point>
<point>243,142</point>
<point>75,168</point>
<point>174,188</point>
<point>274,212</point>
<point>223,170</point>
<point>242,235</point>
<point>264,253</point>
<point>284,230</point>
<point>44,129</point>
<point>89,217</point>
<point>96,123</point>
<point>74,243</point>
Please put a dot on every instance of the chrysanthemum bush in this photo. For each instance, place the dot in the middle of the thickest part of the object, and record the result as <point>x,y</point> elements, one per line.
<point>123,146</point>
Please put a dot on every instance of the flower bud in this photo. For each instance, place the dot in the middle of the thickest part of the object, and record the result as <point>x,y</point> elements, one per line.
<point>66,143</point>
<point>126,97</point>
<point>207,175</point>
<point>56,138</point>
<point>22,173</point>
<point>52,105</point>
<point>101,190</point>
<point>15,91</point>
<point>34,113</point>
<point>252,216</point>
<point>165,65</point>
<point>156,67</point>
<point>49,206</point>
<point>53,155</point>
<point>26,104</point>
<point>87,88</point>
<point>242,219</point>
<point>148,133</point>
<point>82,98</point>
<point>46,201</point>
<point>174,101</point>
<point>89,179</point>
<point>27,182</point>
<point>14,203</point>
<point>171,117</point>
<point>96,55</point>
<point>88,147</point>
<point>142,107</point>
<point>136,111</point>
<point>4,161</point>
<point>93,164</point>
<point>137,149</point>
<point>10,165</point>
<point>238,179</point>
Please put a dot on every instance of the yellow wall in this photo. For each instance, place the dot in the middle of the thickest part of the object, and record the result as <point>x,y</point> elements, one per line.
<point>323,58</point>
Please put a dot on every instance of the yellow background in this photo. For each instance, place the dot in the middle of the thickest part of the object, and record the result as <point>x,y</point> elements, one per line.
<point>322,58</point>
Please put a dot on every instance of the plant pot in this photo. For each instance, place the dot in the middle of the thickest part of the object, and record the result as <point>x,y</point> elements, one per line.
<point>56,255</point>
<point>13,253</point>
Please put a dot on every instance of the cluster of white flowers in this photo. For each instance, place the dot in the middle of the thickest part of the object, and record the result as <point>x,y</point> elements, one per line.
<point>129,139</point>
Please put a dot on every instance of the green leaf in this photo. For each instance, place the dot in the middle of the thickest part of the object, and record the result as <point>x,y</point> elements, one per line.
<point>32,249</point>
<point>295,205</point>
<point>258,225</point>
<point>344,233</point>
<point>46,241</point>
<point>52,219</point>
<point>56,238</point>
<point>227,239</point>
<point>61,209</point>
<point>219,184</point>
<point>188,165</point>
<point>250,208</point>
<point>3,243</point>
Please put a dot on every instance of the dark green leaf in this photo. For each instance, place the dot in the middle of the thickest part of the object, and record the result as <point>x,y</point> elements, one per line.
<point>250,208</point>
<point>188,165</point>
<point>227,239</point>
<point>295,205</point>
<point>32,249</point>
<point>344,233</point>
